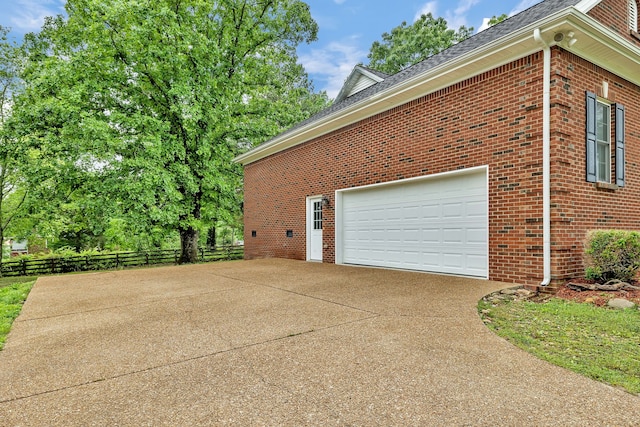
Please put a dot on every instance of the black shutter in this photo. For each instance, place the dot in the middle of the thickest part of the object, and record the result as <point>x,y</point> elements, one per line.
<point>619,145</point>
<point>591,137</point>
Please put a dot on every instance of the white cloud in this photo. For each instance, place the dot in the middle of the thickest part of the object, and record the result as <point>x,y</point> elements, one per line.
<point>524,4</point>
<point>485,24</point>
<point>431,7</point>
<point>458,17</point>
<point>465,5</point>
<point>30,14</point>
<point>332,64</point>
<point>339,1</point>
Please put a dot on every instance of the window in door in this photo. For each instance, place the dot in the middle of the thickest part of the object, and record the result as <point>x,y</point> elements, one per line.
<point>317,215</point>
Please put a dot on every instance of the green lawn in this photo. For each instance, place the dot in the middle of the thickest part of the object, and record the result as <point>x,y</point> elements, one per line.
<point>600,343</point>
<point>12,296</point>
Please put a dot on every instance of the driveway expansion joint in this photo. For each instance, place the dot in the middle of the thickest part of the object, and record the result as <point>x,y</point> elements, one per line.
<point>187,360</point>
<point>133,304</point>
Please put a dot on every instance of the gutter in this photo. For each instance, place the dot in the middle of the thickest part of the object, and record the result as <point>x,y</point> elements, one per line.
<point>546,159</point>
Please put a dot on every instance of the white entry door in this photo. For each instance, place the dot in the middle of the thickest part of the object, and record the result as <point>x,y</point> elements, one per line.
<point>314,229</point>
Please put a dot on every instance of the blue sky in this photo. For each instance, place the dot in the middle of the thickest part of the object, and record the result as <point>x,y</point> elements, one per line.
<point>347,27</point>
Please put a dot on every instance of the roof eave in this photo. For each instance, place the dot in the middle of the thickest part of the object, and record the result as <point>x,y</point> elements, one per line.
<point>492,55</point>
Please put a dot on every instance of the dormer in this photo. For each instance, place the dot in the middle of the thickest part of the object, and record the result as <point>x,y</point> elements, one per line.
<point>360,78</point>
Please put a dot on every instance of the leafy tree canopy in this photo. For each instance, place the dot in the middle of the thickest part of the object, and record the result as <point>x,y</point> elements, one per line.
<point>407,45</point>
<point>150,100</point>
<point>497,19</point>
<point>13,192</point>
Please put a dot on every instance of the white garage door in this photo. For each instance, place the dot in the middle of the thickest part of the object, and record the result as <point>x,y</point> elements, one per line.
<point>433,224</point>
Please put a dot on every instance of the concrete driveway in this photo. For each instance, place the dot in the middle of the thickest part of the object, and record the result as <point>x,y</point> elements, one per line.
<point>278,342</point>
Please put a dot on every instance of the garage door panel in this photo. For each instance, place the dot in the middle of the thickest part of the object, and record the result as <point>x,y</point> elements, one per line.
<point>452,260</point>
<point>430,211</point>
<point>431,235</point>
<point>477,209</point>
<point>453,210</point>
<point>435,225</point>
<point>453,235</point>
<point>476,262</point>
<point>476,235</point>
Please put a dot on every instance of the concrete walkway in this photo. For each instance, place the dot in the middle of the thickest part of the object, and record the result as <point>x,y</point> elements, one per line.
<point>277,342</point>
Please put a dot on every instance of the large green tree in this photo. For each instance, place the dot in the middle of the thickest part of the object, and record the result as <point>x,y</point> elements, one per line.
<point>407,45</point>
<point>151,99</point>
<point>13,191</point>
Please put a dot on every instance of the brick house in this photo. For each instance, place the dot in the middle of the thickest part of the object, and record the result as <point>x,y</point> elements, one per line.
<point>491,159</point>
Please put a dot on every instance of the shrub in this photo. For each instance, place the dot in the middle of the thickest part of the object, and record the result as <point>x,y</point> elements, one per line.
<point>612,254</point>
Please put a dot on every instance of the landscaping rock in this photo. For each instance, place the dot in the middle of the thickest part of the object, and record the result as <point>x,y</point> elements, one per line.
<point>620,303</point>
<point>511,294</point>
<point>524,293</point>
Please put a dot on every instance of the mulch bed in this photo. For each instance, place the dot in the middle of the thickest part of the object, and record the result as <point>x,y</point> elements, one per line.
<point>598,298</point>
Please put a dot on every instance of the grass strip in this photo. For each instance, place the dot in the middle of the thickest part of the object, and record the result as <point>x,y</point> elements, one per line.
<point>600,343</point>
<point>12,298</point>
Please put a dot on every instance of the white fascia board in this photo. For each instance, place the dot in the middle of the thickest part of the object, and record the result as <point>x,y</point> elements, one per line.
<point>586,5</point>
<point>501,51</point>
<point>357,73</point>
<point>369,74</point>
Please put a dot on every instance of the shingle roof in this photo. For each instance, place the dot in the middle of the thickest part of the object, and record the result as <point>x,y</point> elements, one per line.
<point>506,27</point>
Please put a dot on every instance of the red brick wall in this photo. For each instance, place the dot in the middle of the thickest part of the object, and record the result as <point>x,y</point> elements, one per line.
<point>615,15</point>
<point>493,119</point>
<point>577,205</point>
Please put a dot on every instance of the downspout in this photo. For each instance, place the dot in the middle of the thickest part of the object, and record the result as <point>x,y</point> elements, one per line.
<point>546,159</point>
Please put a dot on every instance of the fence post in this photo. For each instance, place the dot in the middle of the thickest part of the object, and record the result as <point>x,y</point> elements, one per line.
<point>24,266</point>
<point>175,256</point>
<point>202,254</point>
<point>147,257</point>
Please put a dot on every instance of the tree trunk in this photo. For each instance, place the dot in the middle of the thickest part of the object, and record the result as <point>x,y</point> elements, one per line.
<point>1,247</point>
<point>188,246</point>
<point>211,236</point>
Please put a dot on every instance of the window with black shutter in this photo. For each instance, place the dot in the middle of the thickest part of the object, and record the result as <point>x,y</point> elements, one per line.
<point>598,141</point>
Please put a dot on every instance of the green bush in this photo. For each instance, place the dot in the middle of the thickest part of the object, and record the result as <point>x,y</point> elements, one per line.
<point>612,254</point>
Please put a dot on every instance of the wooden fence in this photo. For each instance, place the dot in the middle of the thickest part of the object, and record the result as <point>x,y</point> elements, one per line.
<point>54,265</point>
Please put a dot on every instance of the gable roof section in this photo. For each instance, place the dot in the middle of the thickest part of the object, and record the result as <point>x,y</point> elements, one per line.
<point>495,46</point>
<point>360,79</point>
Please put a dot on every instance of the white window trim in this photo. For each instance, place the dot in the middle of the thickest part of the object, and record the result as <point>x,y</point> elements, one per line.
<point>633,15</point>
<point>600,142</point>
